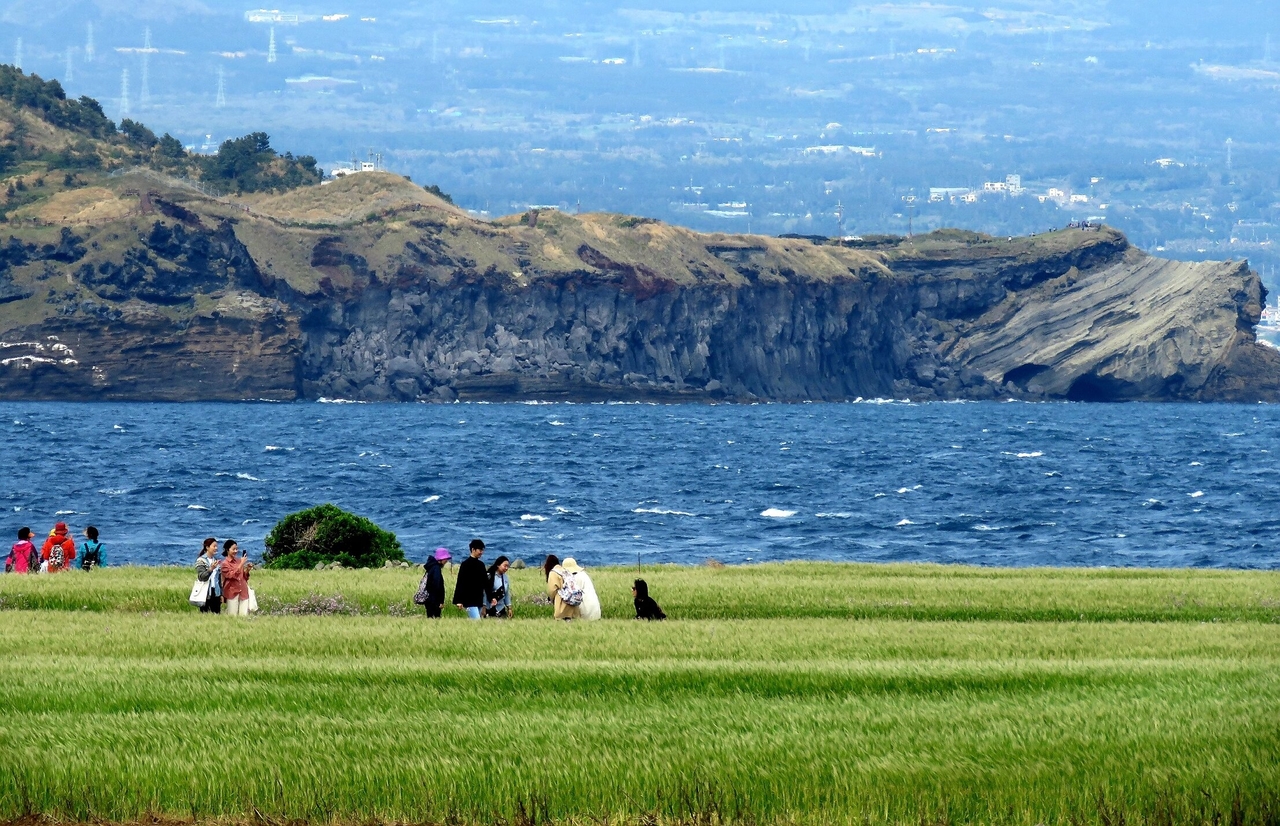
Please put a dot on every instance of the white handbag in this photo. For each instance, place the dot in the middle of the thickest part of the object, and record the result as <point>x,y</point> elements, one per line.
<point>253,601</point>
<point>199,593</point>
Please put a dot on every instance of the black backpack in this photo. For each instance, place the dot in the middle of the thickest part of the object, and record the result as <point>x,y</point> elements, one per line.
<point>92,556</point>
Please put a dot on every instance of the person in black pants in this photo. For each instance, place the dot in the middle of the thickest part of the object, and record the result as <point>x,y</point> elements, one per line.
<point>468,594</point>
<point>433,582</point>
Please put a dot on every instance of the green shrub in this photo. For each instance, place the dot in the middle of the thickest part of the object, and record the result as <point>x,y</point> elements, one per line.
<point>326,533</point>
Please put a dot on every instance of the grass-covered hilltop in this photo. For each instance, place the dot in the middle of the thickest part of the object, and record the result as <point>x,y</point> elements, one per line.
<point>165,275</point>
<point>796,693</point>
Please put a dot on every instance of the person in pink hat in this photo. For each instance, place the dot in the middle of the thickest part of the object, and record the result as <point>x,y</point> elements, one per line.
<point>431,590</point>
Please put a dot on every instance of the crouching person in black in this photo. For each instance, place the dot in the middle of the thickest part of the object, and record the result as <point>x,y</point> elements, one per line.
<point>646,608</point>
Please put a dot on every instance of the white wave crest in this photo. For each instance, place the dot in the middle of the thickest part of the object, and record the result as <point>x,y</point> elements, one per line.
<point>247,477</point>
<point>903,523</point>
<point>196,508</point>
<point>1196,494</point>
<point>840,515</point>
<point>532,517</point>
<point>660,511</point>
<point>432,498</point>
<point>777,513</point>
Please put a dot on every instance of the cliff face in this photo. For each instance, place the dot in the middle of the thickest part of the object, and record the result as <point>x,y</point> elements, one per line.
<point>308,294</point>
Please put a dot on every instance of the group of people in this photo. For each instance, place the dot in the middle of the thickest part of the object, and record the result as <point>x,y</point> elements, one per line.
<point>57,553</point>
<point>222,582</point>
<point>482,591</point>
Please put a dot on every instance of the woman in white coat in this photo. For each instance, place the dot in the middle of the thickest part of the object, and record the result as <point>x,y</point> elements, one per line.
<point>590,607</point>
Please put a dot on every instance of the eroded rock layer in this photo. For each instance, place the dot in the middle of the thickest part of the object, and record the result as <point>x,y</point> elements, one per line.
<point>176,295</point>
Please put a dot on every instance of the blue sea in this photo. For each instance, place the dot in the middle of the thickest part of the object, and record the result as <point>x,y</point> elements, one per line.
<point>982,483</point>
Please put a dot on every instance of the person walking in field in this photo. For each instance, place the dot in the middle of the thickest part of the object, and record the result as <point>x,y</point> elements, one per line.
<point>92,554</point>
<point>563,588</point>
<point>233,571</point>
<point>431,589</point>
<point>646,607</point>
<point>206,571</point>
<point>23,557</point>
<point>468,593</point>
<point>59,549</point>
<point>498,589</point>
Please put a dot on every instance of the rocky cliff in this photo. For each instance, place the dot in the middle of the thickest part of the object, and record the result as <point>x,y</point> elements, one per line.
<point>139,287</point>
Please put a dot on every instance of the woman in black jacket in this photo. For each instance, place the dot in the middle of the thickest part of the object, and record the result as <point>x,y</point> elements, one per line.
<point>431,591</point>
<point>646,607</point>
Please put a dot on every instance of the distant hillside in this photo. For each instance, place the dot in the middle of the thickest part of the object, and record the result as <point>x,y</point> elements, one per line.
<point>42,127</point>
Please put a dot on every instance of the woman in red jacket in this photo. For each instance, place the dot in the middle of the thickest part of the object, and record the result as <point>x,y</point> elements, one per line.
<point>233,572</point>
<point>59,549</point>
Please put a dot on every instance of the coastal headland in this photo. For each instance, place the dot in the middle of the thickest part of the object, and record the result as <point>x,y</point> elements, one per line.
<point>797,693</point>
<point>125,280</point>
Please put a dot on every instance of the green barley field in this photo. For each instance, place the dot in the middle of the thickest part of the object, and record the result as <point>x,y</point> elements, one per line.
<point>776,694</point>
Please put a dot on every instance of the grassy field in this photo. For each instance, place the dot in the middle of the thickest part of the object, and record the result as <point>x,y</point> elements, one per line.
<point>780,694</point>
<point>773,591</point>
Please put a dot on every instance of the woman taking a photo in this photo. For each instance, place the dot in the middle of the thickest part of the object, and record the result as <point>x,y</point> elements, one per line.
<point>498,589</point>
<point>206,566</point>
<point>234,573</point>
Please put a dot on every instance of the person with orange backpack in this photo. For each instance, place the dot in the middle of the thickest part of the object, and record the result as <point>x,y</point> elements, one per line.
<point>59,549</point>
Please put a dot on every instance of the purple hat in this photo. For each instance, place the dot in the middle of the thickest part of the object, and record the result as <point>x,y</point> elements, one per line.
<point>442,555</point>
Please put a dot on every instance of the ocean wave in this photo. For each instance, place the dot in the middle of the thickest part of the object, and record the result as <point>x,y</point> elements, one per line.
<point>661,511</point>
<point>1035,454</point>
<point>1196,495</point>
<point>777,513</point>
<point>64,513</point>
<point>247,477</point>
<point>532,517</point>
<point>902,523</point>
<point>323,400</point>
<point>273,448</point>
<point>556,423</point>
<point>114,491</point>
<point>196,508</point>
<point>432,498</point>
<point>839,515</point>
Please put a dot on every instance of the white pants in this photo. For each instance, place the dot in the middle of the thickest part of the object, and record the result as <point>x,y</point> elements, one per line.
<point>237,607</point>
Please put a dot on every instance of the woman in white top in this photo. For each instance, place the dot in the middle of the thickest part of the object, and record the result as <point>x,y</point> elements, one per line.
<point>590,607</point>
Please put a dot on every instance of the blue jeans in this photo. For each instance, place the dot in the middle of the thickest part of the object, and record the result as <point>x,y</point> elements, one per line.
<point>473,613</point>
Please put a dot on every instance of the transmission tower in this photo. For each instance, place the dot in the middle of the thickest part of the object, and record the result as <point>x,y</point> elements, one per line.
<point>144,94</point>
<point>271,46</point>
<point>124,93</point>
<point>88,45</point>
<point>222,89</point>
<point>17,55</point>
<point>839,219</point>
